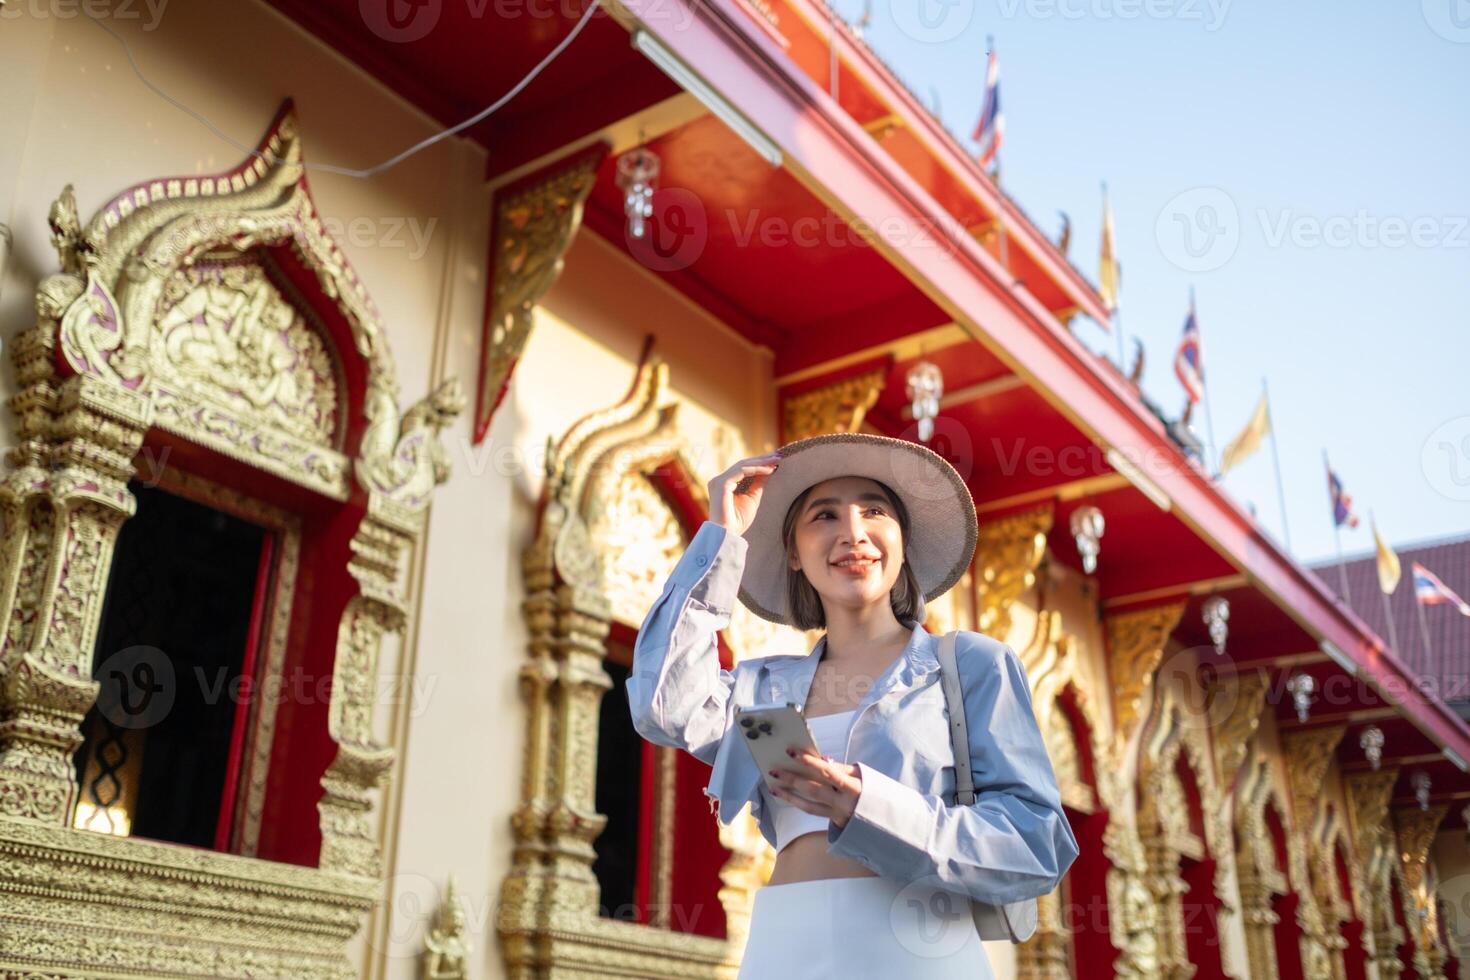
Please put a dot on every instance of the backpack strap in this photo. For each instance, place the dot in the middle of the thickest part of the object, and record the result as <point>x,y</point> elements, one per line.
<point>959,736</point>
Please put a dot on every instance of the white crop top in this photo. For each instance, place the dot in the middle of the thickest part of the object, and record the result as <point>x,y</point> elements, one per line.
<point>791,821</point>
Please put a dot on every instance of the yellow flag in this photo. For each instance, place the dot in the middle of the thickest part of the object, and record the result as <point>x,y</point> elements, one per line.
<point>1107,263</point>
<point>1388,563</point>
<point>1250,437</point>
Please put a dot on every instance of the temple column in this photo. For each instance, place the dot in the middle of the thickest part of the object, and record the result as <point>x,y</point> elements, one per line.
<point>1368,795</point>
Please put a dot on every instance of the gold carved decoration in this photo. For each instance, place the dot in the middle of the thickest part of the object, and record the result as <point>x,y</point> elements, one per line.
<point>169,311</point>
<point>1414,831</point>
<point>1136,643</point>
<point>1164,825</point>
<point>1308,755</point>
<point>534,225</point>
<point>548,917</point>
<point>1245,695</point>
<point>1053,667</point>
<point>1053,662</point>
<point>1368,795</point>
<point>837,407</point>
<point>447,947</point>
<point>227,335</point>
<point>1258,871</point>
<point>642,542</point>
<point>1006,557</point>
<point>1133,914</point>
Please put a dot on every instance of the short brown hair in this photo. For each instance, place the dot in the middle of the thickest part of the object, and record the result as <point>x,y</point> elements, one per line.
<point>802,600</point>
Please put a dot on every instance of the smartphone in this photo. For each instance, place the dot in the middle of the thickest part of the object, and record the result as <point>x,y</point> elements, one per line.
<point>771,729</point>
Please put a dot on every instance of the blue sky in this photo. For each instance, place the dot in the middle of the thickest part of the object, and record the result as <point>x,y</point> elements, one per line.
<point>1317,155</point>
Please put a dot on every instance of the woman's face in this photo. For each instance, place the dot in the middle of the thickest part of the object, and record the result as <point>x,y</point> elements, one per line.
<point>847,541</point>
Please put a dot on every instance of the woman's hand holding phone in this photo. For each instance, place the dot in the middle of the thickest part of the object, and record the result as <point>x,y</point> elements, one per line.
<point>819,785</point>
<point>735,494</point>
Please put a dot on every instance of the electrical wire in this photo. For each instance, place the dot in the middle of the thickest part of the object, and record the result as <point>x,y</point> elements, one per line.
<point>392,161</point>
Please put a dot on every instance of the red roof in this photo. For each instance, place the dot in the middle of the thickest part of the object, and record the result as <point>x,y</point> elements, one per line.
<point>1445,659</point>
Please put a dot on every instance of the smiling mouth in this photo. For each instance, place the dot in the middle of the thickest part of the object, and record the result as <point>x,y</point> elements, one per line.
<point>855,563</point>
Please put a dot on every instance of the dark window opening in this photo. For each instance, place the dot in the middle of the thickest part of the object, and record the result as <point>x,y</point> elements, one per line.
<point>619,784</point>
<point>171,651</point>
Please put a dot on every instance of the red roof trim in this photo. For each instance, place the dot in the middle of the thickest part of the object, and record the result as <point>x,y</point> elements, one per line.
<point>862,182</point>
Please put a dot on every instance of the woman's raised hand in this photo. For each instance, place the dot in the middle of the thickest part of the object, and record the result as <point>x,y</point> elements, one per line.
<point>735,494</point>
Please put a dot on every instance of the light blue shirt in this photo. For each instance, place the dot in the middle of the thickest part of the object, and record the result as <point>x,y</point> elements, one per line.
<point>1013,843</point>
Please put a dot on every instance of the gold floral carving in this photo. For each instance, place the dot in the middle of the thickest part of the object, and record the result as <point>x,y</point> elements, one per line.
<point>1368,795</point>
<point>1136,641</point>
<point>534,226</point>
<point>643,542</point>
<point>1133,914</point>
<point>170,292</point>
<point>1258,871</point>
<point>1006,558</point>
<point>1164,826</point>
<point>227,335</point>
<point>1053,667</point>
<point>1414,831</point>
<point>1308,754</point>
<point>548,917</point>
<point>168,312</point>
<point>1245,695</point>
<point>837,407</point>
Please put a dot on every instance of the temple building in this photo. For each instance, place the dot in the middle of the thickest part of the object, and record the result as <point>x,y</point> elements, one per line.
<point>335,494</point>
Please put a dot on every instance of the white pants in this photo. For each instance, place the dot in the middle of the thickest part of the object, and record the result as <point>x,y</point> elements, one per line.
<point>860,928</point>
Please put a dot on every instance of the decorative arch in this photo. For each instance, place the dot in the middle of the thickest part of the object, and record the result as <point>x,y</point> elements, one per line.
<point>1261,816</point>
<point>1309,755</point>
<point>1415,830</point>
<point>1346,898</point>
<point>212,317</point>
<point>1182,826</point>
<point>1066,714</point>
<point>1373,838</point>
<point>549,922</point>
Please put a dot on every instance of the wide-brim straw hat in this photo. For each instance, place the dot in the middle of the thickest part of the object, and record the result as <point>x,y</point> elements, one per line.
<point>942,527</point>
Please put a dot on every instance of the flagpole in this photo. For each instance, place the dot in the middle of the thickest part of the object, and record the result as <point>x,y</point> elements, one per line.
<point>1276,462</point>
<point>1393,630</point>
<point>1204,385</point>
<point>1347,594</point>
<point>1423,622</point>
<point>1005,246</point>
<point>1116,311</point>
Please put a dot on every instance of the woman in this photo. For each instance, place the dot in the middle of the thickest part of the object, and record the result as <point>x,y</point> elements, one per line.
<point>853,534</point>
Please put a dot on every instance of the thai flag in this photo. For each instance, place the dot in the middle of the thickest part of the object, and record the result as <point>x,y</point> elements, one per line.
<point>1187,363</point>
<point>991,128</point>
<point>1430,591</point>
<point>1342,504</point>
